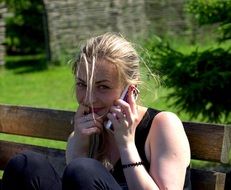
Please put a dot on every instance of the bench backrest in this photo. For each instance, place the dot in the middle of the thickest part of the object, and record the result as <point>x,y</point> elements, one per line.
<point>208,142</point>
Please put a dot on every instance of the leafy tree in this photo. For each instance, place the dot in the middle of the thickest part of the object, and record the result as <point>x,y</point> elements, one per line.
<point>201,79</point>
<point>213,12</point>
<point>24,30</point>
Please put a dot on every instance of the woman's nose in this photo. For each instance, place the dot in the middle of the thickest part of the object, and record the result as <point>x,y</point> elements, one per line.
<point>90,98</point>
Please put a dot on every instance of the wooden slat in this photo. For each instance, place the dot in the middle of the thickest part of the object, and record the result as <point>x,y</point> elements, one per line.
<point>36,122</point>
<point>9,149</point>
<point>208,141</point>
<point>226,145</point>
<point>207,180</point>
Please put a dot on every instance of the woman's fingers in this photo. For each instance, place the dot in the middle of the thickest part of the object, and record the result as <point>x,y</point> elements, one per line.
<point>119,117</point>
<point>89,127</point>
<point>123,110</point>
<point>87,123</point>
<point>124,113</point>
<point>82,110</point>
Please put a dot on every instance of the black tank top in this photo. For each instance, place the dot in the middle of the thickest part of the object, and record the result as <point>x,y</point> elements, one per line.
<point>142,131</point>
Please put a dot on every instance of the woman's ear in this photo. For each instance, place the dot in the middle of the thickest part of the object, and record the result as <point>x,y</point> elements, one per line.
<point>134,90</point>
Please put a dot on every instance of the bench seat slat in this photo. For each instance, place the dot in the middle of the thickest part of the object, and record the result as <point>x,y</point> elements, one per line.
<point>207,141</point>
<point>207,180</point>
<point>36,122</point>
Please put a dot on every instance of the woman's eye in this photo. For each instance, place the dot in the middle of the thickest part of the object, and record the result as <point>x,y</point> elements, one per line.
<point>80,84</point>
<point>102,87</point>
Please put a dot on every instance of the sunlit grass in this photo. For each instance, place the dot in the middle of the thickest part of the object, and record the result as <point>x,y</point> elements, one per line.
<point>49,88</point>
<point>34,141</point>
<point>54,88</point>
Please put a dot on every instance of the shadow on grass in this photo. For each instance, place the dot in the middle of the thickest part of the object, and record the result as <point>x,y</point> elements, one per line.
<point>26,64</point>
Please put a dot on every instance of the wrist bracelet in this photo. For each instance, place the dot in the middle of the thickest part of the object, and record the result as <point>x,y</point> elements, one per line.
<point>132,164</point>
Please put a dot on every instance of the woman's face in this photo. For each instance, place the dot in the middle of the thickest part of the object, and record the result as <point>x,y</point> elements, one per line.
<point>106,87</point>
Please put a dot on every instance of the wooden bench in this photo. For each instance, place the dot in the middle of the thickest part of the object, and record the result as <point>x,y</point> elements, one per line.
<point>208,142</point>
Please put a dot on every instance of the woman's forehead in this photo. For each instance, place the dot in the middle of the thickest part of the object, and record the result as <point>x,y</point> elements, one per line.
<point>103,70</point>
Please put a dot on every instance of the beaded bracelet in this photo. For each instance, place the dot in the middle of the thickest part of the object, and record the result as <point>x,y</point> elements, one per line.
<point>132,164</point>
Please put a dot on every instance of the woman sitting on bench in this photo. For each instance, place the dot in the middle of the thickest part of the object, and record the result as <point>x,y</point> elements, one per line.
<point>116,144</point>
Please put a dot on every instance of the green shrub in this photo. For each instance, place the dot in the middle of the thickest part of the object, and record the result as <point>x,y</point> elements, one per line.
<point>212,12</point>
<point>24,29</point>
<point>201,79</point>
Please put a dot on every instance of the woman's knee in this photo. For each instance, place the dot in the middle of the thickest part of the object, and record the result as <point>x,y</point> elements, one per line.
<point>82,167</point>
<point>25,160</point>
<point>19,169</point>
<point>87,173</point>
<point>29,169</point>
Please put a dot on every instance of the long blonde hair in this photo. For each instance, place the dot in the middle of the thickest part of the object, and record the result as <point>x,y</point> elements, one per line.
<point>115,49</point>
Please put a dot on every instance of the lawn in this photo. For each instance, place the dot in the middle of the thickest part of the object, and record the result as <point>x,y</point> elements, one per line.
<point>53,87</point>
<point>48,88</point>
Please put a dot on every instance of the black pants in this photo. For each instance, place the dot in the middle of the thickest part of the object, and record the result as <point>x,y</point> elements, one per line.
<point>32,171</point>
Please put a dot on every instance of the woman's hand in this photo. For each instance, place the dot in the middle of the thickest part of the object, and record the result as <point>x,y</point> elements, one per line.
<point>124,118</point>
<point>86,122</point>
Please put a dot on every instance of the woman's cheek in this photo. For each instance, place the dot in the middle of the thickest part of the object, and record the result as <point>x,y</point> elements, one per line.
<point>109,100</point>
<point>79,97</point>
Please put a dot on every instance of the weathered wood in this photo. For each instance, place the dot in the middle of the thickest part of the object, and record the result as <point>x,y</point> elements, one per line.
<point>207,180</point>
<point>226,145</point>
<point>9,149</point>
<point>208,141</point>
<point>36,122</point>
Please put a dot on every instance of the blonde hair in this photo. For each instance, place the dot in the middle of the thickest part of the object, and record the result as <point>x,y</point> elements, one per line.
<point>115,49</point>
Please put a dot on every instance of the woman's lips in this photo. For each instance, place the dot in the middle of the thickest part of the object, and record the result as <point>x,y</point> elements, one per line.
<point>102,111</point>
<point>97,110</point>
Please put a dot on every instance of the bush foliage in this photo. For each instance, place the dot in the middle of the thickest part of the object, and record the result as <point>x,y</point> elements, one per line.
<point>201,79</point>
<point>212,12</point>
<point>24,29</point>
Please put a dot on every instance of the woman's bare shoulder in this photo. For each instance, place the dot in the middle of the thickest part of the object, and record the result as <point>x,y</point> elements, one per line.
<point>167,130</point>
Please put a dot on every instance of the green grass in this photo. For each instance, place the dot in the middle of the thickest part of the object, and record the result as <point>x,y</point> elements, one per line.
<point>48,88</point>
<point>53,87</point>
<point>34,141</point>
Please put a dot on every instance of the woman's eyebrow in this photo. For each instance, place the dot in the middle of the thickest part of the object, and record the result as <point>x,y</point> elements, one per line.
<point>81,80</point>
<point>97,82</point>
<point>102,81</point>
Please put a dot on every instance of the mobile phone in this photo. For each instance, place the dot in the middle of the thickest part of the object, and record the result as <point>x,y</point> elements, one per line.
<point>123,97</point>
